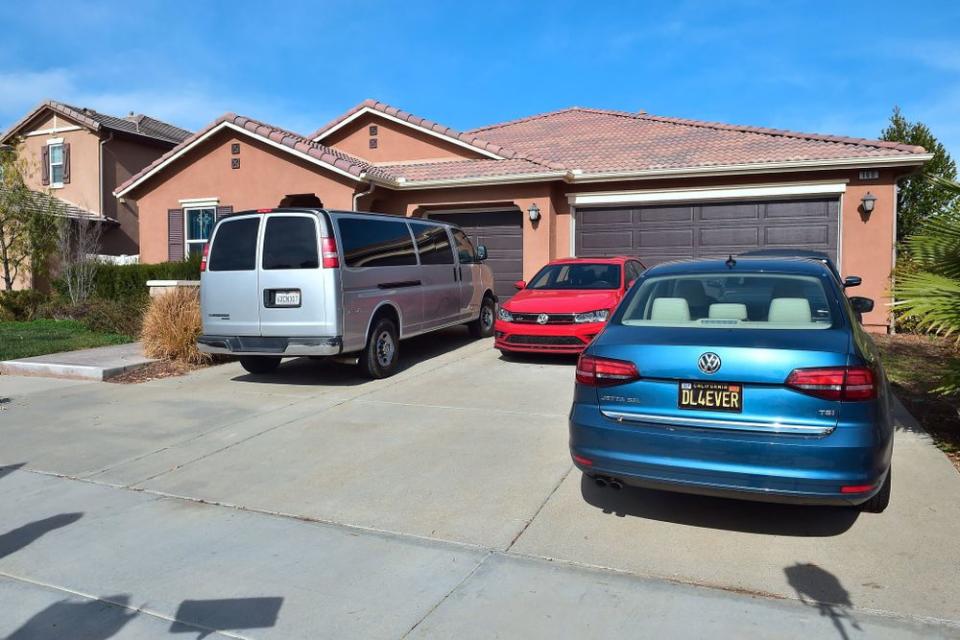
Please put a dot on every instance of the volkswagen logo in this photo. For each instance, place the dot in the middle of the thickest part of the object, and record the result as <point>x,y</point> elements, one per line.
<point>709,363</point>
<point>542,318</point>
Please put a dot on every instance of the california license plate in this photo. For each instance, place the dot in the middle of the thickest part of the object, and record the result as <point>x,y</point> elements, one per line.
<point>286,298</point>
<point>710,396</point>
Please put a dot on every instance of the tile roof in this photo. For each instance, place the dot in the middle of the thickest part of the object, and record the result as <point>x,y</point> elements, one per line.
<point>40,201</point>
<point>601,141</point>
<point>328,155</point>
<point>463,169</point>
<point>135,124</point>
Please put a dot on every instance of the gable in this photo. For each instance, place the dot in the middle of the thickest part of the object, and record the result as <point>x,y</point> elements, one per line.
<point>395,142</point>
<point>44,122</point>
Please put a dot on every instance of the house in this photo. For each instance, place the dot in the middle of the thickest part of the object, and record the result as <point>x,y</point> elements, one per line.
<point>578,181</point>
<point>79,156</point>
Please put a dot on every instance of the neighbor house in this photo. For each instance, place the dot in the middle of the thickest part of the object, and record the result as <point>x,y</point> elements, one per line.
<point>80,156</point>
<point>578,181</point>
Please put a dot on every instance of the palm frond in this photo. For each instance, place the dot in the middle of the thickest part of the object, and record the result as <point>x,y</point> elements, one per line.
<point>932,299</point>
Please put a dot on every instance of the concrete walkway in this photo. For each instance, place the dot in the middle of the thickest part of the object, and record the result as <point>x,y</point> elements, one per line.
<point>101,363</point>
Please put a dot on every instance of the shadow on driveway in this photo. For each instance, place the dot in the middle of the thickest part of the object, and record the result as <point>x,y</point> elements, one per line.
<point>17,539</point>
<point>720,513</point>
<point>822,590</point>
<point>232,614</point>
<point>10,468</point>
<point>92,620</point>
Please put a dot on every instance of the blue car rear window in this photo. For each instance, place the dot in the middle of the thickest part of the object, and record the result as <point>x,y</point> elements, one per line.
<point>735,301</point>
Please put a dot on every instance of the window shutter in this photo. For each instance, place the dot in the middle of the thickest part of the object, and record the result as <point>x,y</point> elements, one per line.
<point>222,212</point>
<point>175,235</point>
<point>66,163</point>
<point>45,165</point>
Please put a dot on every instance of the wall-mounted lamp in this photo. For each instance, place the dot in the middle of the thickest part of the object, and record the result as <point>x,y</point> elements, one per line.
<point>534,212</point>
<point>867,202</point>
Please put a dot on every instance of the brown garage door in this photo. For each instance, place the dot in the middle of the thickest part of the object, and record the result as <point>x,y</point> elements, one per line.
<point>502,233</point>
<point>669,232</point>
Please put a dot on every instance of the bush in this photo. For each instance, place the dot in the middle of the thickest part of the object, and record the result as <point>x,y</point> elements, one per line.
<point>128,282</point>
<point>172,325</point>
<point>122,317</point>
<point>21,305</point>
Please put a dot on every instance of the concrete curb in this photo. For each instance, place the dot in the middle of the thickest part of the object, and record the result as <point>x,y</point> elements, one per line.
<point>72,371</point>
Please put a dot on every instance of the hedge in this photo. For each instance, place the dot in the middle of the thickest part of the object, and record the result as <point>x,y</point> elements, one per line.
<point>128,282</point>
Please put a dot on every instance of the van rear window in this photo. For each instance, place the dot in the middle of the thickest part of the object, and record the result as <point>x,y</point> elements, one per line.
<point>376,243</point>
<point>235,245</point>
<point>290,242</point>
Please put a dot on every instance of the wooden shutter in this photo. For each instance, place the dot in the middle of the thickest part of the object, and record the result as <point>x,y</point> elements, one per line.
<point>66,163</point>
<point>175,235</point>
<point>45,165</point>
<point>223,212</point>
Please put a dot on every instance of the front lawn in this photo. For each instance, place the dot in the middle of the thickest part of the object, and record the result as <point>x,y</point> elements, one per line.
<point>39,337</point>
<point>915,366</point>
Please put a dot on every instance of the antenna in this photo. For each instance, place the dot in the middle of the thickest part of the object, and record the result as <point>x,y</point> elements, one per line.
<point>731,263</point>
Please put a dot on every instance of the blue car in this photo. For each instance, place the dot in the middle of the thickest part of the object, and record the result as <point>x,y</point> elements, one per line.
<point>743,378</point>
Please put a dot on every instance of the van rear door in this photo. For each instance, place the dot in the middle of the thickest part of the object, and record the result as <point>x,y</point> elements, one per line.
<point>229,285</point>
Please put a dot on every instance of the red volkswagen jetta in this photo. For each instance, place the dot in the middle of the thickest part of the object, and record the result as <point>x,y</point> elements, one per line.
<point>564,305</point>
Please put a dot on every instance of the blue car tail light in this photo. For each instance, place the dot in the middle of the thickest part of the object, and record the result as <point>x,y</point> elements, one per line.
<point>605,372</point>
<point>835,383</point>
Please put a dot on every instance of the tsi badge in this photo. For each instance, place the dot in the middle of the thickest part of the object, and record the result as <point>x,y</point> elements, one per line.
<point>709,363</point>
<point>542,318</point>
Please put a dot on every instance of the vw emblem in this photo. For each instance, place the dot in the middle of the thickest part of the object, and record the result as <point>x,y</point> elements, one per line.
<point>542,318</point>
<point>709,363</point>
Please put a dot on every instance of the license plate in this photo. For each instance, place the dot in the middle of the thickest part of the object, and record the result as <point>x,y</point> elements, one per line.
<point>286,299</point>
<point>710,396</point>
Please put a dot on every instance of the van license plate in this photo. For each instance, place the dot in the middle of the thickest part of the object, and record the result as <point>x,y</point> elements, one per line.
<point>710,396</point>
<point>286,298</point>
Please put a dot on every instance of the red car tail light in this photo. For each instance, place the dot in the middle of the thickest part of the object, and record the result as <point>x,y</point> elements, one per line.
<point>835,383</point>
<point>605,372</point>
<point>328,248</point>
<point>206,254</point>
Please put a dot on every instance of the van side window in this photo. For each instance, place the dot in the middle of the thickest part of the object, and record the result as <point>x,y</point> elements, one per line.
<point>432,243</point>
<point>376,243</point>
<point>235,245</point>
<point>464,247</point>
<point>290,242</point>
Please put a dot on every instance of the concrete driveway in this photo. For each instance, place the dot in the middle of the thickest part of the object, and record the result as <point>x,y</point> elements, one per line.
<point>438,503</point>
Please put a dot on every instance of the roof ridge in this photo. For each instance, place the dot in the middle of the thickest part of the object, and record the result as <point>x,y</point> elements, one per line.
<point>536,116</point>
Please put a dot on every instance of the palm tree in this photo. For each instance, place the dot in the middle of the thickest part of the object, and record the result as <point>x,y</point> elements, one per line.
<point>931,295</point>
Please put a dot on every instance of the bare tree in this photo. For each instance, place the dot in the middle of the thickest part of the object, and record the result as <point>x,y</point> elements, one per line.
<point>78,248</point>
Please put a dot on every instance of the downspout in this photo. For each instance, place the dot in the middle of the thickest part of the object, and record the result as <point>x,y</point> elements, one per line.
<point>357,196</point>
<point>100,181</point>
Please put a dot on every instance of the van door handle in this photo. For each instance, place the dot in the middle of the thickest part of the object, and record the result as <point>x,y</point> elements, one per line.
<point>454,274</point>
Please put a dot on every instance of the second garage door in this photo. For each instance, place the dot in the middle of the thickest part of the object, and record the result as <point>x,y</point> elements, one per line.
<point>502,233</point>
<point>670,232</point>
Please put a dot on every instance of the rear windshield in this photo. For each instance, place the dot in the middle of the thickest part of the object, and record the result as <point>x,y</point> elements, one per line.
<point>755,301</point>
<point>235,245</point>
<point>577,276</point>
<point>290,242</point>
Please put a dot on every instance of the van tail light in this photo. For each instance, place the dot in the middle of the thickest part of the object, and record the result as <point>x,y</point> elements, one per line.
<point>605,372</point>
<point>331,258</point>
<point>203,259</point>
<point>835,383</point>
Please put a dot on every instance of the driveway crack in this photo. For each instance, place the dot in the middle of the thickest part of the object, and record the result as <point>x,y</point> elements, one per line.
<point>447,595</point>
<point>539,509</point>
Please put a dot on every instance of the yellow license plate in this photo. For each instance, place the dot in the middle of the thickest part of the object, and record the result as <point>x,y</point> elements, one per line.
<point>710,396</point>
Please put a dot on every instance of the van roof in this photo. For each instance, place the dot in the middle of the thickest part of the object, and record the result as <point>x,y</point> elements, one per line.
<point>318,210</point>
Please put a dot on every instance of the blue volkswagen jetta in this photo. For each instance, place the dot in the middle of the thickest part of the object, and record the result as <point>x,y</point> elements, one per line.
<point>745,378</point>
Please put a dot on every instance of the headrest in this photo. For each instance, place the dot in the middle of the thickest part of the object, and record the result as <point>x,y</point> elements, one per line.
<point>670,310</point>
<point>728,311</point>
<point>792,310</point>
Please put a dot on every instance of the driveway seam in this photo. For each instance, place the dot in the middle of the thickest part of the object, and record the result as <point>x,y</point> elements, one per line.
<point>483,409</point>
<point>447,595</point>
<point>539,509</point>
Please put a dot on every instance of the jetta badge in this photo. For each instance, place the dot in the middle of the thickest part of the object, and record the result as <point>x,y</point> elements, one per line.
<point>542,318</point>
<point>709,363</point>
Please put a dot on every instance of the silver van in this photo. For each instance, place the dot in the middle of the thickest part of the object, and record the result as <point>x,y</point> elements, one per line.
<point>278,283</point>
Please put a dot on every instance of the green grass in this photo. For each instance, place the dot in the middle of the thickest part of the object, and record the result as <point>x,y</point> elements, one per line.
<point>39,337</point>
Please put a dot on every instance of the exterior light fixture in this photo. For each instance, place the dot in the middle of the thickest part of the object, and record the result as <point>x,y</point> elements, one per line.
<point>867,202</point>
<point>534,212</point>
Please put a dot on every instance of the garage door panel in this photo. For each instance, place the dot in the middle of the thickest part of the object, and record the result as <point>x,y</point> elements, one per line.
<point>798,235</point>
<point>718,212</point>
<point>803,209</point>
<point>616,217</point>
<point>501,232</point>
<point>664,214</point>
<point>665,238</point>
<point>729,237</point>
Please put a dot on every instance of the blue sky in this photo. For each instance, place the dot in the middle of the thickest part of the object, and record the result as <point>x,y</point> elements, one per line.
<point>831,67</point>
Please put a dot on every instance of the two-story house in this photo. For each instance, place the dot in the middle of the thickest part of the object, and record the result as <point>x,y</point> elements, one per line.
<point>80,156</point>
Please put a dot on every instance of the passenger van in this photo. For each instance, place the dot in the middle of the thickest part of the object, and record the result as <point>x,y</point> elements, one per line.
<point>278,283</point>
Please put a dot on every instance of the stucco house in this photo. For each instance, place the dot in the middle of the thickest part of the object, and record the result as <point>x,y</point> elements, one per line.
<point>578,181</point>
<point>80,156</point>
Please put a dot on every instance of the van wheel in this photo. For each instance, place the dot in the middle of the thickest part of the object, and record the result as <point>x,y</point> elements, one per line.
<point>879,502</point>
<point>259,364</point>
<point>482,327</point>
<point>380,356</point>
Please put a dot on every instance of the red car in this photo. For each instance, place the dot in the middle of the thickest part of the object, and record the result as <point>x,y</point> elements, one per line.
<point>564,305</point>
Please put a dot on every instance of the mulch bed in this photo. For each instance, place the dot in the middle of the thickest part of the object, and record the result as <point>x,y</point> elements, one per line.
<point>156,371</point>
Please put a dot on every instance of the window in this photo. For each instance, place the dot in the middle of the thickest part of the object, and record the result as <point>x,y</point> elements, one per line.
<point>433,244</point>
<point>199,223</point>
<point>577,275</point>
<point>464,247</point>
<point>290,242</point>
<point>55,152</point>
<point>634,269</point>
<point>754,301</point>
<point>376,243</point>
<point>235,246</point>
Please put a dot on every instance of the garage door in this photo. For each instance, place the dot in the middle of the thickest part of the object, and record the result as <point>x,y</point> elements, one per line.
<point>670,232</point>
<point>502,233</point>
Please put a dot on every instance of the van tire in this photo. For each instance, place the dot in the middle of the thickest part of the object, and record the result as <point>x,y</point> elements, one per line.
<point>382,354</point>
<point>259,364</point>
<point>482,327</point>
<point>879,502</point>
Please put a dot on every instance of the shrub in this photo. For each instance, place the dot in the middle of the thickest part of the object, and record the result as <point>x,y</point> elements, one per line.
<point>122,317</point>
<point>21,305</point>
<point>129,281</point>
<point>172,325</point>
